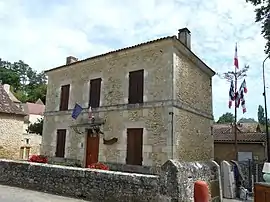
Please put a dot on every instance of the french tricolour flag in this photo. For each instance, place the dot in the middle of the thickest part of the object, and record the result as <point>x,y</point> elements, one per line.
<point>236,57</point>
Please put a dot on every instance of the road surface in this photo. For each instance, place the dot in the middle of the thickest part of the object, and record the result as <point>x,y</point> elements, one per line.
<point>14,194</point>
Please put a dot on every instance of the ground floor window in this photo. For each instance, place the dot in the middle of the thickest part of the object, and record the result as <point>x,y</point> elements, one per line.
<point>24,153</point>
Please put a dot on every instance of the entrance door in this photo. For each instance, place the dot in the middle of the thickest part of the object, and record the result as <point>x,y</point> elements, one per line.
<point>134,146</point>
<point>92,147</point>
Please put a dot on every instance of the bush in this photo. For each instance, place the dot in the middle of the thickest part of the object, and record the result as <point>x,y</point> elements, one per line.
<point>38,159</point>
<point>100,166</point>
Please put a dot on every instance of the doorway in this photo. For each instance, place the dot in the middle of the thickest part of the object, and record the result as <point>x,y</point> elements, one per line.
<point>134,146</point>
<point>92,147</point>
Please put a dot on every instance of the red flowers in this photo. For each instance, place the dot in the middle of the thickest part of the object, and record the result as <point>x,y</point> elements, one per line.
<point>38,159</point>
<point>100,166</point>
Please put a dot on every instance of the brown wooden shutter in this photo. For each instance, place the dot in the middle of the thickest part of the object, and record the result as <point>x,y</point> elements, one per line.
<point>140,85</point>
<point>134,146</point>
<point>60,143</point>
<point>132,89</point>
<point>136,86</point>
<point>95,85</point>
<point>64,98</point>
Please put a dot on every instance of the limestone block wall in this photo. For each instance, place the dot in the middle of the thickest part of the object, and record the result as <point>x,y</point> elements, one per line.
<point>156,135</point>
<point>193,116</point>
<point>11,129</point>
<point>191,85</point>
<point>194,141</point>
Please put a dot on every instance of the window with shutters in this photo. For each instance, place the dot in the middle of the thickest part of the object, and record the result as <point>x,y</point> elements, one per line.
<point>94,94</point>
<point>60,143</point>
<point>64,97</point>
<point>136,85</point>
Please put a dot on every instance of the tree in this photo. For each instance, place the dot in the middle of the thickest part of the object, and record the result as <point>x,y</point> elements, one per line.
<point>36,127</point>
<point>261,118</point>
<point>226,118</point>
<point>8,76</point>
<point>26,84</point>
<point>247,120</point>
<point>262,15</point>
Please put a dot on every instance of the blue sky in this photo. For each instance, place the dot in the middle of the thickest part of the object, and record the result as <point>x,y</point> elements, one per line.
<point>43,33</point>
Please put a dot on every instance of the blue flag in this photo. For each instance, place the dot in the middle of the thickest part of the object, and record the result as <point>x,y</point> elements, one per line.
<point>76,111</point>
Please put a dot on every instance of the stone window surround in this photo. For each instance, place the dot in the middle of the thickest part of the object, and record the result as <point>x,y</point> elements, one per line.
<point>54,140</point>
<point>86,87</point>
<point>70,100</point>
<point>126,83</point>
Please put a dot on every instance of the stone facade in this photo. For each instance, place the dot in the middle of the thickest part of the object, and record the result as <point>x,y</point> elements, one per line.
<point>30,140</point>
<point>174,183</point>
<point>176,114</point>
<point>11,127</point>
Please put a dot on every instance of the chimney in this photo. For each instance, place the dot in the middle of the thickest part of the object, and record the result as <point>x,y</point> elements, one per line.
<point>7,88</point>
<point>71,59</point>
<point>184,37</point>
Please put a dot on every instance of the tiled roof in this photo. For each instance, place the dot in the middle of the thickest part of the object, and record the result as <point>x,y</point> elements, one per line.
<point>32,108</point>
<point>224,133</point>
<point>249,127</point>
<point>241,137</point>
<point>6,104</point>
<point>130,47</point>
<point>222,128</point>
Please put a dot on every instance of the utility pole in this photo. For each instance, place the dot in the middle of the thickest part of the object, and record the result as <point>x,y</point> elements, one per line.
<point>266,118</point>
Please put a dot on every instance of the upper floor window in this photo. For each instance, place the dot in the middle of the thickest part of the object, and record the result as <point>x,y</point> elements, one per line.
<point>64,97</point>
<point>27,140</point>
<point>136,85</point>
<point>94,93</point>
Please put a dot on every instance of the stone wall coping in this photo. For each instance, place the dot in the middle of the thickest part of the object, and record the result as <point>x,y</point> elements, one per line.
<point>68,168</point>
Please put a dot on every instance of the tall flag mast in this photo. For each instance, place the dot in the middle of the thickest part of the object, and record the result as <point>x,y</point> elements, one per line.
<point>236,96</point>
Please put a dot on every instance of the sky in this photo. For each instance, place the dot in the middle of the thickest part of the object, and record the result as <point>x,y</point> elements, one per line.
<point>43,33</point>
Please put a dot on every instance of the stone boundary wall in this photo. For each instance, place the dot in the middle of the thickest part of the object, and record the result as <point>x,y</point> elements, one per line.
<point>174,183</point>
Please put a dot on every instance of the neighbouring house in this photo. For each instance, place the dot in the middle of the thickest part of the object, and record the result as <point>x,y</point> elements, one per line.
<point>151,102</point>
<point>11,95</point>
<point>11,126</point>
<point>31,142</point>
<point>251,142</point>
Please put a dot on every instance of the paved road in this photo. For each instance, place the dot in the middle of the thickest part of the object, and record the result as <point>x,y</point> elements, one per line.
<point>14,194</point>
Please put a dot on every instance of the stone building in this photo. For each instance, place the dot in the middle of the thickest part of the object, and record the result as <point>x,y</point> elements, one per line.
<point>11,126</point>
<point>251,142</point>
<point>31,142</point>
<point>151,101</point>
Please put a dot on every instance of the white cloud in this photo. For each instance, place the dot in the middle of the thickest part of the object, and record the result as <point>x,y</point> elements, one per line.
<point>43,34</point>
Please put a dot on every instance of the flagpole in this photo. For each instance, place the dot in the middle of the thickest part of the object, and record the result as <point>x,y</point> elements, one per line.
<point>234,76</point>
<point>235,117</point>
